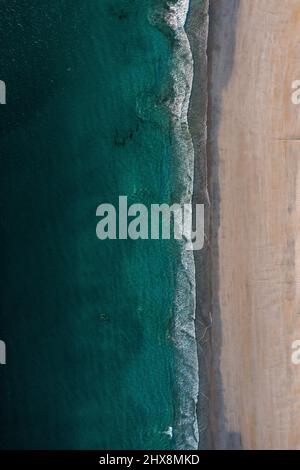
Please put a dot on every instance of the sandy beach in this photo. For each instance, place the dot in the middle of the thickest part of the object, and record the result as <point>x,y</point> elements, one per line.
<point>254,183</point>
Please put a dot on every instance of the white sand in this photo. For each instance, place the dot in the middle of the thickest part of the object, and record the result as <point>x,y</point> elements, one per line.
<point>256,250</point>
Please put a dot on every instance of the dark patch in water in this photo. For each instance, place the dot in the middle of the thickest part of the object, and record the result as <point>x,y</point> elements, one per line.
<point>121,141</point>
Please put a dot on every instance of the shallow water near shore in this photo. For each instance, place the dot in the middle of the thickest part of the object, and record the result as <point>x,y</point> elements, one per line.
<point>97,332</point>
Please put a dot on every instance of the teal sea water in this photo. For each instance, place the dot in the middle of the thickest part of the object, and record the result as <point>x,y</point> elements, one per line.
<point>99,334</point>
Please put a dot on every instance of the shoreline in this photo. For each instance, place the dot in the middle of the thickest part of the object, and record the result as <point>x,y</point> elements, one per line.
<point>197,33</point>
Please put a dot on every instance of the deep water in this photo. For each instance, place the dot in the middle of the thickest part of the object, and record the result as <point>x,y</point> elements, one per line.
<point>88,324</point>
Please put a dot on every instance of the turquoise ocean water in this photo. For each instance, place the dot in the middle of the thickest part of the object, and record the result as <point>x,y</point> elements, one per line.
<point>100,353</point>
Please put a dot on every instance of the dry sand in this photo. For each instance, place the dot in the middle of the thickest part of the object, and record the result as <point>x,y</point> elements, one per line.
<point>254,55</point>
